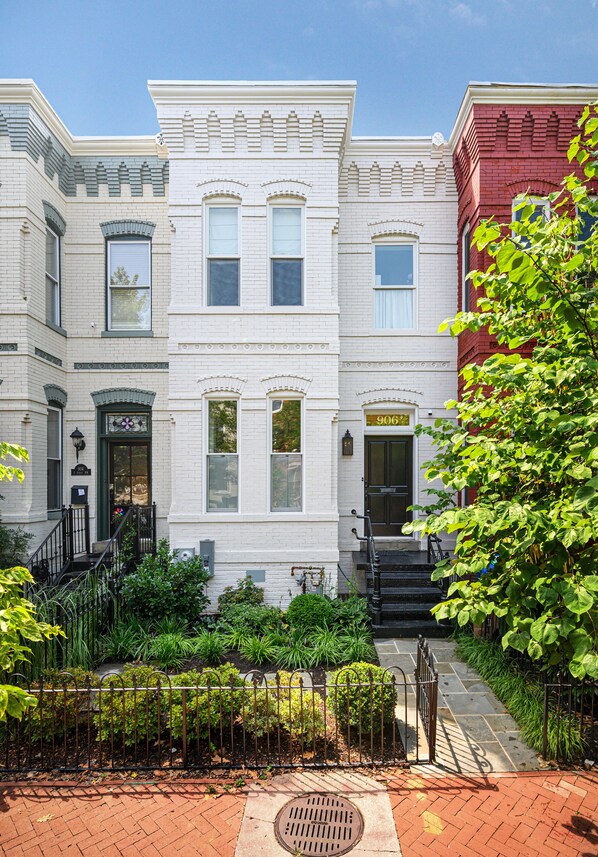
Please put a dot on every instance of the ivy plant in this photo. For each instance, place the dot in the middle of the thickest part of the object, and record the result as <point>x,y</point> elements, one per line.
<point>525,440</point>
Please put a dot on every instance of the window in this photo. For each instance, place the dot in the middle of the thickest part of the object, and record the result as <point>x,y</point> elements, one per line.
<point>466,268</point>
<point>588,222</point>
<point>223,459</point>
<point>52,276</point>
<point>394,286</point>
<point>129,285</point>
<point>541,210</point>
<point>286,460</point>
<point>54,458</point>
<point>287,256</point>
<point>223,256</point>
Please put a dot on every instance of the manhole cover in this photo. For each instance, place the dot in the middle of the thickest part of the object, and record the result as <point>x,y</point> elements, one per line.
<point>318,824</point>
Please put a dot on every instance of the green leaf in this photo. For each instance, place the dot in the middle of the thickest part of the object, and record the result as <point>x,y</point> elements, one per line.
<point>578,599</point>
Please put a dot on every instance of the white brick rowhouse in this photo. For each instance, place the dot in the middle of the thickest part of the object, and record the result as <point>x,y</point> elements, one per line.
<point>215,308</point>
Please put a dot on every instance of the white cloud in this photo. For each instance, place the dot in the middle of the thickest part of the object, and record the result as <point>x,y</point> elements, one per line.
<point>467,15</point>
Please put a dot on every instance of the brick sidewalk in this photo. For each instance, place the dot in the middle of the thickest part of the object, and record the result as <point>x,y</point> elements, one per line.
<point>512,815</point>
<point>118,821</point>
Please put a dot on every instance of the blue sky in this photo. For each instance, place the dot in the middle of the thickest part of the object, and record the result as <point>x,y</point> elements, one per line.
<point>411,58</point>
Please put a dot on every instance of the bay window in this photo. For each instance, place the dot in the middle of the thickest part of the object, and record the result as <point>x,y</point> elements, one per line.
<point>286,459</point>
<point>223,458</point>
<point>394,286</point>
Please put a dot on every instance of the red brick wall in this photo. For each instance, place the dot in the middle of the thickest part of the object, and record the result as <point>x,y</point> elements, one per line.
<point>505,150</point>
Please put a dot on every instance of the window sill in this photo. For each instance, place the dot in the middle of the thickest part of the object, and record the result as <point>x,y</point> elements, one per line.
<point>56,327</point>
<point>54,514</point>
<point>126,334</point>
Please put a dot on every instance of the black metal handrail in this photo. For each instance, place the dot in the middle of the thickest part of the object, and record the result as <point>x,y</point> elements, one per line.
<point>70,537</point>
<point>373,563</point>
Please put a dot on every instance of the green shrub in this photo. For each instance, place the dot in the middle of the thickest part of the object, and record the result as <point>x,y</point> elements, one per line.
<point>259,650</point>
<point>14,546</point>
<point>523,697</point>
<point>210,646</point>
<point>297,709</point>
<point>362,693</point>
<point>351,614</point>
<point>130,717</point>
<point>205,708</point>
<point>236,638</point>
<point>163,586</point>
<point>310,611</point>
<point>358,646</point>
<point>245,592</point>
<point>256,619</point>
<point>328,648</point>
<point>294,654</point>
<point>56,713</point>
<point>123,641</point>
<point>169,651</point>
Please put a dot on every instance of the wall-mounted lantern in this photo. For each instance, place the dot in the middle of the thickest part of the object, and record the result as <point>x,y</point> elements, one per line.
<point>347,443</point>
<point>78,442</point>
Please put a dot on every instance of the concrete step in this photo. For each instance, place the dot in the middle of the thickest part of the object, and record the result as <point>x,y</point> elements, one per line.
<point>428,628</point>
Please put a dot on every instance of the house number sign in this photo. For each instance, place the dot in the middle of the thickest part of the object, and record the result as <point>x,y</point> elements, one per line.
<point>386,419</point>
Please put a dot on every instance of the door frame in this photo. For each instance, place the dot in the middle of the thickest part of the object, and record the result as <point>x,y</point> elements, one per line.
<point>103,458</point>
<point>410,410</point>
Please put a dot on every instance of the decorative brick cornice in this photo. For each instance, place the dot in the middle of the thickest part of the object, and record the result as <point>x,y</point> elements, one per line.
<point>281,383</point>
<point>532,186</point>
<point>123,395</point>
<point>221,383</point>
<point>116,228</point>
<point>381,228</point>
<point>222,187</point>
<point>382,177</point>
<point>286,187</point>
<point>9,346</point>
<point>54,393</point>
<point>389,394</point>
<point>118,367</point>
<point>54,218</point>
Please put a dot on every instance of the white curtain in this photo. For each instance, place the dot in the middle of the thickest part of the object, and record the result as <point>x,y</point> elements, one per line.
<point>394,308</point>
<point>223,232</point>
<point>286,232</point>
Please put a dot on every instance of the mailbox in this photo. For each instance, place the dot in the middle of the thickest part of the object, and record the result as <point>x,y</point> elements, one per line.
<point>79,495</point>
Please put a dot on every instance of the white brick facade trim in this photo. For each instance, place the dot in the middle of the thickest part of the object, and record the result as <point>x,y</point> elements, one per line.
<point>286,187</point>
<point>221,384</point>
<point>222,187</point>
<point>395,227</point>
<point>389,394</point>
<point>281,383</point>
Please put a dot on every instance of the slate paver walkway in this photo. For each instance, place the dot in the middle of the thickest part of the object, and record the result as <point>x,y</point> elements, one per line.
<point>475,733</point>
<point>550,814</point>
<point>177,818</point>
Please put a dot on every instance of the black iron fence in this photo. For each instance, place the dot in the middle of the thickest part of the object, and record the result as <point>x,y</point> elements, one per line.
<point>145,719</point>
<point>426,679</point>
<point>68,539</point>
<point>86,607</point>
<point>570,718</point>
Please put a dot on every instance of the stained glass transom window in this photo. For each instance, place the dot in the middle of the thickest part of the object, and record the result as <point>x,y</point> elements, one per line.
<point>127,423</point>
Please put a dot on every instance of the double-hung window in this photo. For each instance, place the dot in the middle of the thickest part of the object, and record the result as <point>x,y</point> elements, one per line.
<point>541,211</point>
<point>588,223</point>
<point>129,285</point>
<point>466,267</point>
<point>394,285</point>
<point>223,458</point>
<point>54,458</point>
<point>52,276</point>
<point>286,255</point>
<point>286,459</point>
<point>223,256</point>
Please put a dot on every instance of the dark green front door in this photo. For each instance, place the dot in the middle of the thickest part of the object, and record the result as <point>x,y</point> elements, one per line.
<point>388,483</point>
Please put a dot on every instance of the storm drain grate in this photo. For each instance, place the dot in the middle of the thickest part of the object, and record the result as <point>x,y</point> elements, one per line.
<point>318,824</point>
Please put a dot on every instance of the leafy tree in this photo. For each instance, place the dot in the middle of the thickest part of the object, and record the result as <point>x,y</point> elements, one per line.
<point>527,433</point>
<point>17,615</point>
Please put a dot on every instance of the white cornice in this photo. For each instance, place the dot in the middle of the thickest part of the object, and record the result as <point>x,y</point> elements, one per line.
<point>376,146</point>
<point>26,92</point>
<point>520,93</point>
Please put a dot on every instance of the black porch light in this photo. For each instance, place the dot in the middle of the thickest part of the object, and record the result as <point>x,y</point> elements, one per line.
<point>347,443</point>
<point>78,442</point>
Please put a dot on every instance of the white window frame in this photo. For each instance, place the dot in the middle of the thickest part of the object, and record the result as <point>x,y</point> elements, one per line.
<point>465,269</point>
<point>286,203</point>
<point>125,240</point>
<point>208,257</point>
<point>287,397</point>
<point>60,459</point>
<point>220,398</point>
<point>535,200</point>
<point>394,240</point>
<point>55,281</point>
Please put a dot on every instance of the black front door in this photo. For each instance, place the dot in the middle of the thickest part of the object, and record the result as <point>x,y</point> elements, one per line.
<point>388,483</point>
<point>129,482</point>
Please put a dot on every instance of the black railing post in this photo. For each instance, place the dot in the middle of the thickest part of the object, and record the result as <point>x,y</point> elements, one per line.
<point>138,533</point>
<point>87,531</point>
<point>154,535</point>
<point>376,594</point>
<point>64,534</point>
<point>71,533</point>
